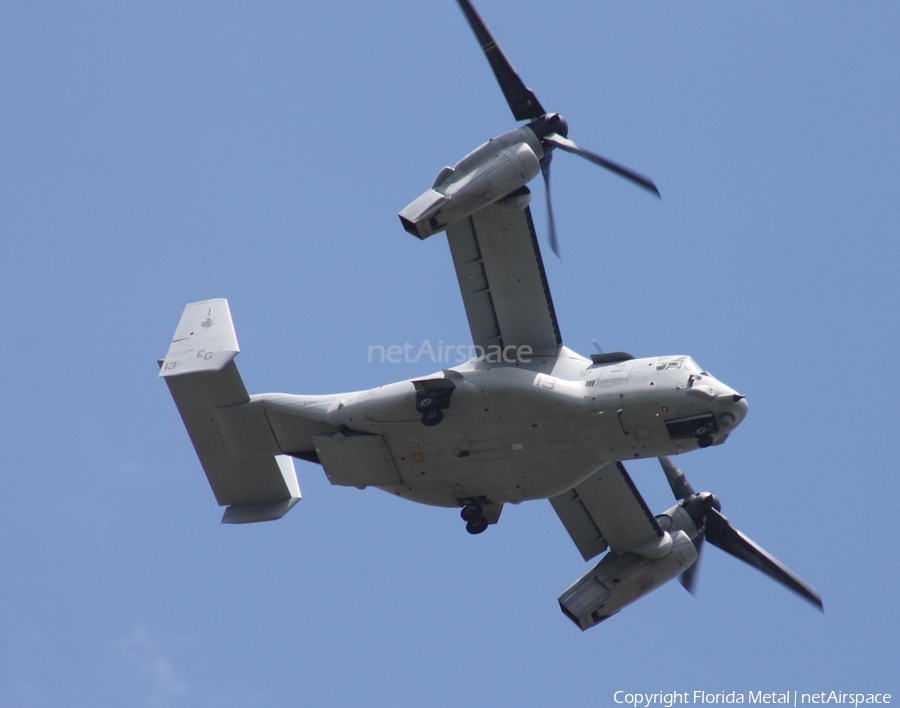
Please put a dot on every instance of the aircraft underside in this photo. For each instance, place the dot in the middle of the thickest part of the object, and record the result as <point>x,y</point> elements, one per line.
<point>540,422</point>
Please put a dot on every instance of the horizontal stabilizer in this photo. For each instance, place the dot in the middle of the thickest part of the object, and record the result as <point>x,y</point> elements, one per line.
<point>212,399</point>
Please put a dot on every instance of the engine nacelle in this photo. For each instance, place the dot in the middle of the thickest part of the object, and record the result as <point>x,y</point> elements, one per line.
<point>619,580</point>
<point>486,175</point>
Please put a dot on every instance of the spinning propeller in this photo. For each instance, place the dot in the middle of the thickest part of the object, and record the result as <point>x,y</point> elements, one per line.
<point>705,512</point>
<point>550,128</point>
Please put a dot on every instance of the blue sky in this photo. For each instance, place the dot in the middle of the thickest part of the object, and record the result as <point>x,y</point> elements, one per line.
<point>158,154</point>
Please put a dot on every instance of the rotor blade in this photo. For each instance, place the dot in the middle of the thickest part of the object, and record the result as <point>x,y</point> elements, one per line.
<point>569,146</point>
<point>689,577</point>
<point>681,488</point>
<point>545,171</point>
<point>521,99</point>
<point>721,533</point>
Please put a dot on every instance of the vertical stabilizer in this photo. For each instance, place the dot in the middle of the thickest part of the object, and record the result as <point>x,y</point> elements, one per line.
<point>203,379</point>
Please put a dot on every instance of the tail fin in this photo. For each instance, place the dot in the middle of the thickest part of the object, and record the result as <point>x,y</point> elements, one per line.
<point>203,379</point>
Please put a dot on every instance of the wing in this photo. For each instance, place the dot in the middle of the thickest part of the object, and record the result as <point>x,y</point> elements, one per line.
<point>502,281</point>
<point>607,511</point>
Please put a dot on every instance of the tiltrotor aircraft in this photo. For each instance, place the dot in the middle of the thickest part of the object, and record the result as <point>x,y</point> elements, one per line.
<point>528,419</point>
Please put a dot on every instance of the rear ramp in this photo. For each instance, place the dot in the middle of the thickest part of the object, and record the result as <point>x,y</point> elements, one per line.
<point>235,451</point>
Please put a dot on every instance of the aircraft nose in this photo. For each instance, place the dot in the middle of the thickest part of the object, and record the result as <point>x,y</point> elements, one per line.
<point>735,409</point>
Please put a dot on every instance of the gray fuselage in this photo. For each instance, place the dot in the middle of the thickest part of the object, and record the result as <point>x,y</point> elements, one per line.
<point>511,433</point>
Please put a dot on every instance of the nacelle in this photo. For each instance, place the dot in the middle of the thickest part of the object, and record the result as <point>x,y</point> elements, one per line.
<point>486,175</point>
<point>619,580</point>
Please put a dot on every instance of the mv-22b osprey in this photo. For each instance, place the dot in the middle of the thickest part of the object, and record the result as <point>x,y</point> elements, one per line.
<point>530,419</point>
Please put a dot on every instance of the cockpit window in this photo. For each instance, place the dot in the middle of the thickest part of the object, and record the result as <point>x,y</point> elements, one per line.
<point>692,366</point>
<point>668,363</point>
